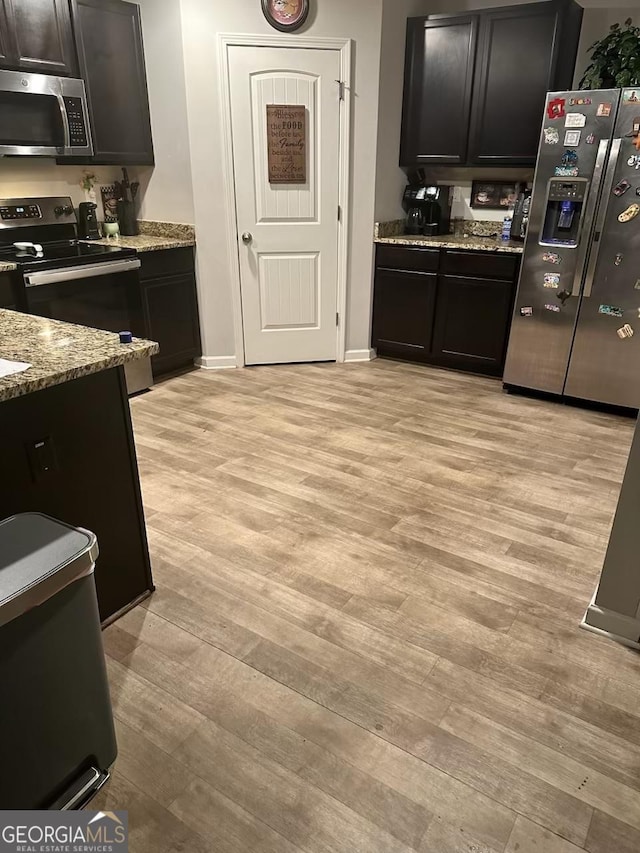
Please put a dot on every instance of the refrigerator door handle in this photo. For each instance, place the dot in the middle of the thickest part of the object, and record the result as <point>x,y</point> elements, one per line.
<point>602,216</point>
<point>590,213</point>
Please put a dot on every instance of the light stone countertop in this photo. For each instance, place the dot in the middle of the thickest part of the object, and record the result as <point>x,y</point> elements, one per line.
<point>59,352</point>
<point>452,241</point>
<point>145,242</point>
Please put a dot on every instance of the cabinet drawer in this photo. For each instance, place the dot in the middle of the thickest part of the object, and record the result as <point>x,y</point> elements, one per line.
<point>407,258</point>
<point>478,264</point>
<point>166,262</point>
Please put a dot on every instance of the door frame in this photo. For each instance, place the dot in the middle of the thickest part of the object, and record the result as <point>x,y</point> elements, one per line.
<point>343,46</point>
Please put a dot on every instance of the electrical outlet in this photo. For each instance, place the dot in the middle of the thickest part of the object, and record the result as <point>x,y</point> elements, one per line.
<point>457,194</point>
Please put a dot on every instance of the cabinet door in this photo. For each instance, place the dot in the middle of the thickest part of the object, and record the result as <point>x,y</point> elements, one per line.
<point>438,83</point>
<point>517,57</point>
<point>171,312</point>
<point>472,322</point>
<point>38,36</point>
<point>112,59</point>
<point>403,313</point>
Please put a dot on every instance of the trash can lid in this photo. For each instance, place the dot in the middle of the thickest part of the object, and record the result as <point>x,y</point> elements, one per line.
<point>40,556</point>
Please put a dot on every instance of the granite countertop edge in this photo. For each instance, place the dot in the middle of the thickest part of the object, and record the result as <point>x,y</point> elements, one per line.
<point>141,243</point>
<point>59,352</point>
<point>145,243</point>
<point>475,244</point>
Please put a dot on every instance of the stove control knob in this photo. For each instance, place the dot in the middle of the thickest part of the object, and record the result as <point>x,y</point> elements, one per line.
<point>65,210</point>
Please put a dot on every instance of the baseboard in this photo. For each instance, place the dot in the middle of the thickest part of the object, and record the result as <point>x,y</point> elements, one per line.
<point>360,355</point>
<point>616,626</point>
<point>216,362</point>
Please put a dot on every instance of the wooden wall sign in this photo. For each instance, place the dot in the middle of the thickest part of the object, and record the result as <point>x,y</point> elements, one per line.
<point>287,143</point>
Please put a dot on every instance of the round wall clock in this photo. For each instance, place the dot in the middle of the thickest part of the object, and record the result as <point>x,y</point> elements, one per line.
<point>286,15</point>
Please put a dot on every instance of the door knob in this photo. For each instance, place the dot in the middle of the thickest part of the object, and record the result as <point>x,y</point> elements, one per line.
<point>247,237</point>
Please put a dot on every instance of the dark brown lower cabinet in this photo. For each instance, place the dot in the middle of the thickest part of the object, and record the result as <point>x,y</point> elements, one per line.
<point>457,315</point>
<point>403,312</point>
<point>90,478</point>
<point>472,322</point>
<point>170,305</point>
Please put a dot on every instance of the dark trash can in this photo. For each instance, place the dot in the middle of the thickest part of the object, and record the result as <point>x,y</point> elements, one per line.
<point>57,740</point>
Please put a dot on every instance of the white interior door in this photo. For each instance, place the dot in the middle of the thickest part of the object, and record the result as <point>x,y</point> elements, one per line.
<point>287,232</point>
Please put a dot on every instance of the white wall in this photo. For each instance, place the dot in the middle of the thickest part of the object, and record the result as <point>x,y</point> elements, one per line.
<point>202,20</point>
<point>596,23</point>
<point>390,179</point>
<point>23,177</point>
<point>167,190</point>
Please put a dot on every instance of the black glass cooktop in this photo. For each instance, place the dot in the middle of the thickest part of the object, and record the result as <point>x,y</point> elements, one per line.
<point>64,254</point>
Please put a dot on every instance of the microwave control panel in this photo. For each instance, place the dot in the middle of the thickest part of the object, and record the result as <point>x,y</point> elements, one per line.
<point>77,125</point>
<point>28,211</point>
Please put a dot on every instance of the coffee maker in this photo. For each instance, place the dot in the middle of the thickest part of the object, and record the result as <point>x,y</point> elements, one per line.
<point>428,208</point>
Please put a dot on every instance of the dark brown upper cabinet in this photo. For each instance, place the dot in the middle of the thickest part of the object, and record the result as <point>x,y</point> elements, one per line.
<point>111,54</point>
<point>37,35</point>
<point>439,68</point>
<point>475,83</point>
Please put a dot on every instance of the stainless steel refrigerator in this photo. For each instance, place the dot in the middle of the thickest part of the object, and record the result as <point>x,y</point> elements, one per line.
<point>576,324</point>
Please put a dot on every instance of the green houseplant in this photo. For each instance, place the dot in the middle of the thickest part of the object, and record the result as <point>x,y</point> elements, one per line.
<point>615,59</point>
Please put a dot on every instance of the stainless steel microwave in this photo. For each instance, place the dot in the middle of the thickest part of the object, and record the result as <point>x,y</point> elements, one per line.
<point>43,116</point>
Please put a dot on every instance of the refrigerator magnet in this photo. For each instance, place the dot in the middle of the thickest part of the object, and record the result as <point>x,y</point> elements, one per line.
<point>630,97</point>
<point>618,261</point>
<point>551,136</point>
<point>575,120</point>
<point>611,311</point>
<point>622,187</point>
<point>527,311</point>
<point>551,279</point>
<point>580,102</point>
<point>630,213</point>
<point>563,295</point>
<point>551,258</point>
<point>625,332</point>
<point>634,161</point>
<point>604,110</point>
<point>590,140</point>
<point>566,171</point>
<point>555,108</point>
<point>572,138</point>
<point>554,308</point>
<point>570,157</point>
<point>636,286</point>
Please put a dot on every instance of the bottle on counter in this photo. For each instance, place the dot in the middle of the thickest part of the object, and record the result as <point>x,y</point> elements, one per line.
<point>506,229</point>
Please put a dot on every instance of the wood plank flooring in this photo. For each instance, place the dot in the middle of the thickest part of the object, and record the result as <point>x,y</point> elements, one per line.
<point>365,635</point>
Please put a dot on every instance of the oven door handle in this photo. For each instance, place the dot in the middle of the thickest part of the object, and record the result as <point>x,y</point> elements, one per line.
<point>36,279</point>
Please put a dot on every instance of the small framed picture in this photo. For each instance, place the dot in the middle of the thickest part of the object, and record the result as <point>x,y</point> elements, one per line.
<point>572,138</point>
<point>109,203</point>
<point>493,195</point>
<point>286,15</point>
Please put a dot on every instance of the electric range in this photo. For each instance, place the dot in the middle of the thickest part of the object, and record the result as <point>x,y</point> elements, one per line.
<point>62,277</point>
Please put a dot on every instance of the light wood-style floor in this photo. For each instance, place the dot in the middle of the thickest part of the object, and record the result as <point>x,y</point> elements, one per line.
<point>365,635</point>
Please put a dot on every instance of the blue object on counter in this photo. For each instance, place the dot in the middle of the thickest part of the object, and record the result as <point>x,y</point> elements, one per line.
<point>506,228</point>
<point>126,337</point>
